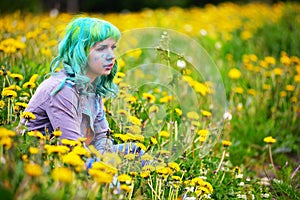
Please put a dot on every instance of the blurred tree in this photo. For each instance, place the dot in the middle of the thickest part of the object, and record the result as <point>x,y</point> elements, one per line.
<point>8,6</point>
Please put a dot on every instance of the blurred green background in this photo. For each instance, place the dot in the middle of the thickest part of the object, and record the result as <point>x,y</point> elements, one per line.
<point>7,6</point>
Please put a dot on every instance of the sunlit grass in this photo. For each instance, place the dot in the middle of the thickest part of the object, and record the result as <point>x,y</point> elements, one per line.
<point>262,80</point>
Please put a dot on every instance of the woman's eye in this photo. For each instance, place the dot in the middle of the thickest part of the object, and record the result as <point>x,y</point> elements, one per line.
<point>100,48</point>
<point>113,47</point>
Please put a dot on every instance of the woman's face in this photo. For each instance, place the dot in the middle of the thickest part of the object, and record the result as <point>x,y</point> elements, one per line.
<point>101,59</point>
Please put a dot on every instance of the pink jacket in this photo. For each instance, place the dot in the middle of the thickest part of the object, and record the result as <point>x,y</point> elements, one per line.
<point>75,114</point>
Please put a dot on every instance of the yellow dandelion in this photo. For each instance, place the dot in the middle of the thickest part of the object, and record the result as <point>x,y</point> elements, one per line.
<point>203,132</point>
<point>263,64</point>
<point>134,120</point>
<point>238,90</point>
<point>2,104</point>
<point>73,159</point>
<point>178,111</point>
<point>174,166</point>
<point>234,73</point>
<point>149,168</point>
<point>33,78</point>
<point>104,167</point>
<point>100,176</point>
<point>33,170</point>
<point>6,142</point>
<point>165,99</point>
<point>164,134</point>
<point>6,132</point>
<point>133,174</point>
<point>294,99</point>
<point>29,85</point>
<point>208,186</point>
<point>145,174</point>
<point>28,115</point>
<point>131,99</point>
<point>146,157</point>
<point>202,138</point>
<point>153,140</point>
<point>125,188</point>
<point>33,150</point>
<point>70,142</point>
<point>297,78</point>
<point>162,170</point>
<point>37,134</point>
<point>61,149</point>
<point>200,88</point>
<point>124,178</point>
<point>206,113</point>
<point>196,181</point>
<point>139,138</point>
<point>57,133</point>
<point>277,71</point>
<point>25,94</point>
<point>62,174</point>
<point>129,156</point>
<point>122,112</point>
<point>283,93</point>
<point>162,152</point>
<point>81,151</point>
<point>285,60</point>
<point>82,139</point>
<point>176,178</point>
<point>251,92</point>
<point>153,109</point>
<point>25,158</point>
<point>142,146</point>
<point>269,140</point>
<point>246,35</point>
<point>290,88</point>
<point>226,143</point>
<point>193,115</point>
<point>9,93</point>
<point>120,75</point>
<point>201,190</point>
<point>267,74</point>
<point>136,53</point>
<point>134,129</point>
<point>21,105</point>
<point>17,77</point>
<point>270,60</point>
<point>150,97</point>
<point>266,86</point>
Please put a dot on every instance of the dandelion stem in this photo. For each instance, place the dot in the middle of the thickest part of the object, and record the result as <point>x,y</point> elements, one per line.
<point>1,154</point>
<point>271,159</point>
<point>8,111</point>
<point>294,172</point>
<point>131,190</point>
<point>222,159</point>
<point>153,191</point>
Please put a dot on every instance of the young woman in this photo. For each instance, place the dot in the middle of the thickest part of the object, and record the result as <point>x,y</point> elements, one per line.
<point>71,99</point>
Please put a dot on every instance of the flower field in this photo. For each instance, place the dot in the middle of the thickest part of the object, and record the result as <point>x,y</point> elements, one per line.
<point>230,132</point>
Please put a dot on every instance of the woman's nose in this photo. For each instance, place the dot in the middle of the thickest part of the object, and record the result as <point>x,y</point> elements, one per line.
<point>111,55</point>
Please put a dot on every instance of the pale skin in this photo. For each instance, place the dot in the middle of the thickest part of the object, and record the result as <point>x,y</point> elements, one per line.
<point>101,59</point>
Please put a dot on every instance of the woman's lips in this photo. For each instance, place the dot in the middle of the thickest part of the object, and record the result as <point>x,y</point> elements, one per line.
<point>110,66</point>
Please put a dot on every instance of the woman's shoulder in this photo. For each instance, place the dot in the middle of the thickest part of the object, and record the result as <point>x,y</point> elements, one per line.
<point>54,82</point>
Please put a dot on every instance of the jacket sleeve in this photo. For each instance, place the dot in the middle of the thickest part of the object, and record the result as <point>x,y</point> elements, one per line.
<point>101,125</point>
<point>63,113</point>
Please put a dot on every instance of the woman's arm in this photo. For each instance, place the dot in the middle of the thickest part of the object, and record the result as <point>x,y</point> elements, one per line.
<point>101,128</point>
<point>63,113</point>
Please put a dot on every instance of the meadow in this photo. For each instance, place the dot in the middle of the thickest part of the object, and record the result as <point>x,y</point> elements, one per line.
<point>212,95</point>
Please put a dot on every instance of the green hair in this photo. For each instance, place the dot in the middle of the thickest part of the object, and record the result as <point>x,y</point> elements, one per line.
<point>82,34</point>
